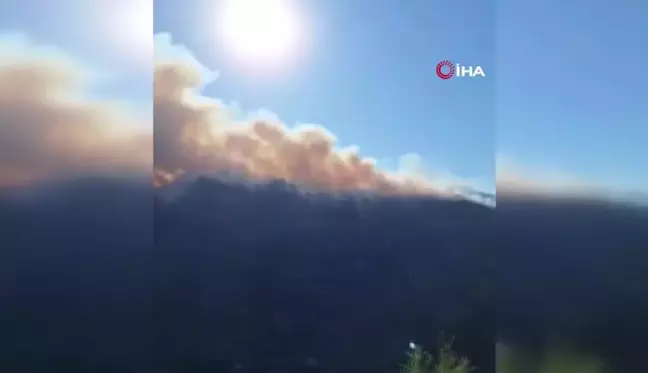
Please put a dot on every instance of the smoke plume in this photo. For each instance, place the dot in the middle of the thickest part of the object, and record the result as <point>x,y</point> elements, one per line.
<point>49,126</point>
<point>194,133</point>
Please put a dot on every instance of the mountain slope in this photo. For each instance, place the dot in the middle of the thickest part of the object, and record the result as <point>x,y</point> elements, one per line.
<point>271,277</point>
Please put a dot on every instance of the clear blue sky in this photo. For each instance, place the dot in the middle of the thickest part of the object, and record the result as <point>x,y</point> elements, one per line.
<point>572,88</point>
<point>369,77</point>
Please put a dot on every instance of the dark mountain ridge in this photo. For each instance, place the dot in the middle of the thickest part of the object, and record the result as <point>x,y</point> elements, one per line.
<point>279,276</point>
<point>109,275</point>
<point>104,276</point>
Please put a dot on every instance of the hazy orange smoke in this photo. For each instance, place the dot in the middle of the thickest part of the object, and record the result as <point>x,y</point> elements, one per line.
<point>196,134</point>
<point>47,128</point>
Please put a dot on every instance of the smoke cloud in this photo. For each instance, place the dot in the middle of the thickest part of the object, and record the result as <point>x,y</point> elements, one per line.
<point>194,133</point>
<point>49,125</point>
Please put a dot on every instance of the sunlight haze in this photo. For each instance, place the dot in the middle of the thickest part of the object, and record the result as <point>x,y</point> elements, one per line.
<point>259,33</point>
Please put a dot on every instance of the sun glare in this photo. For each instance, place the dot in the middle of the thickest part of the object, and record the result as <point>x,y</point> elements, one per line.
<point>260,32</point>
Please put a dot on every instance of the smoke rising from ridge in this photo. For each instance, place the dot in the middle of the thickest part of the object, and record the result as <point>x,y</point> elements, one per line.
<point>194,133</point>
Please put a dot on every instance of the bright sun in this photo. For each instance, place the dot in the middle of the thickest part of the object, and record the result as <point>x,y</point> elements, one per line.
<point>260,31</point>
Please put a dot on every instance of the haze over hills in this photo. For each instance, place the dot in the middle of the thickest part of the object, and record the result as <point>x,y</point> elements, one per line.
<point>99,277</point>
<point>208,274</point>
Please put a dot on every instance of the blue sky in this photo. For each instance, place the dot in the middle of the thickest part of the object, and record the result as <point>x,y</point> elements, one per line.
<point>572,88</point>
<point>369,77</point>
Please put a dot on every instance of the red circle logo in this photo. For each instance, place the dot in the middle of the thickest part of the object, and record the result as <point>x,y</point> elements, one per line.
<point>451,69</point>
